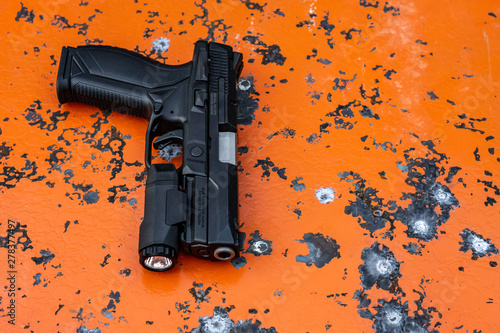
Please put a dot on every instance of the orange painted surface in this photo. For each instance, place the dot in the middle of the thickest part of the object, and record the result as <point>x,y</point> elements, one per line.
<point>401,94</point>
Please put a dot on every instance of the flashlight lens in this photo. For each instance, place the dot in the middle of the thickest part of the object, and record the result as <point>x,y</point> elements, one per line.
<point>158,263</point>
<point>158,258</point>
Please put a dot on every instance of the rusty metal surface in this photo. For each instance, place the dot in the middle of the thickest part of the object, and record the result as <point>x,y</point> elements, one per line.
<point>368,156</point>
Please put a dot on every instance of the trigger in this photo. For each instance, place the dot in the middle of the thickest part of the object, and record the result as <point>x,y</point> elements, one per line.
<point>168,138</point>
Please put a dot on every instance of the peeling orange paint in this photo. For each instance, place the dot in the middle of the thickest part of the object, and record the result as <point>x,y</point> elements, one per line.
<point>390,106</point>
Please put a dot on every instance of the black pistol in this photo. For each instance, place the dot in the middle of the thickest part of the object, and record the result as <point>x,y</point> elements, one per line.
<point>193,106</point>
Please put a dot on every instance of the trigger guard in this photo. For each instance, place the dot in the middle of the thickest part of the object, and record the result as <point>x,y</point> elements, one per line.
<point>168,138</point>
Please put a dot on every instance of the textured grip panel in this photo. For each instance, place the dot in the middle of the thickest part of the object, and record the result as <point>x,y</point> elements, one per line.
<point>116,79</point>
<point>109,100</point>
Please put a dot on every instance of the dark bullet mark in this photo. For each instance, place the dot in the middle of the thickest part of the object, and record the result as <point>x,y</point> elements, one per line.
<point>95,41</point>
<point>324,24</point>
<point>388,8</point>
<point>5,150</point>
<point>471,124</point>
<point>271,54</point>
<point>279,12</point>
<point>313,139</point>
<point>374,99</point>
<point>267,165</point>
<point>114,190</point>
<point>115,296</point>
<point>343,112</point>
<point>420,217</point>
<point>313,55</point>
<point>389,73</point>
<point>384,146</point>
<point>28,16</point>
<point>430,205</point>
<point>91,197</point>
<point>341,84</point>
<point>414,248</point>
<point>83,329</point>
<point>105,262</point>
<point>17,236</point>
<point>421,222</point>
<point>242,150</point>
<point>321,250</point>
<point>200,295</point>
<point>390,317</point>
<point>479,246</point>
<point>11,175</point>
<point>239,262</point>
<point>46,257</point>
<point>451,173</point>
<point>54,61</point>
<point>60,307</point>
<point>476,154</point>
<point>380,268</point>
<point>62,23</point>
<point>258,245</point>
<point>248,102</point>
<point>212,26</point>
<point>432,95</point>
<point>489,185</point>
<point>220,322</point>
<point>298,186</point>
<point>109,310</point>
<point>336,296</point>
<point>323,128</point>
<point>286,132</point>
<point>393,316</point>
<point>307,23</point>
<point>367,3</point>
<point>314,95</point>
<point>253,5</point>
<point>37,279</point>
<point>348,34</point>
<point>490,201</point>
<point>373,213</point>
